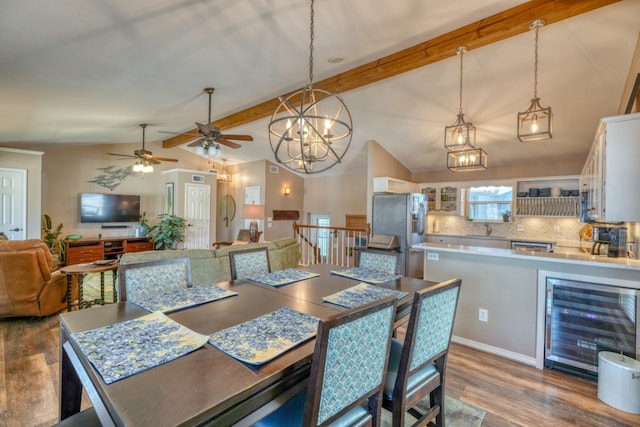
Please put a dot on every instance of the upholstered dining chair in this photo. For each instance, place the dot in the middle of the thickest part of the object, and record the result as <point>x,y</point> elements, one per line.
<point>249,262</point>
<point>137,282</point>
<point>347,371</point>
<point>381,261</point>
<point>417,367</point>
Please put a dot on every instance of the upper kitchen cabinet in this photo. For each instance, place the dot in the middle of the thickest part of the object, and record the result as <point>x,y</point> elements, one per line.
<point>445,197</point>
<point>385,184</point>
<point>611,171</point>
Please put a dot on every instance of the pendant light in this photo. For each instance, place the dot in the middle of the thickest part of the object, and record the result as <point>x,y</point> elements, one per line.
<point>460,135</point>
<point>311,130</point>
<point>471,159</point>
<point>536,122</point>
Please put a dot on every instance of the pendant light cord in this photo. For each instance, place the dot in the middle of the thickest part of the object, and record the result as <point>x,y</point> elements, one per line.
<point>311,46</point>
<point>535,66</point>
<point>461,54</point>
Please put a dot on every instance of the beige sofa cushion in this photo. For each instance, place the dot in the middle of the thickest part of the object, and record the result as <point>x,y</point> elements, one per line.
<point>208,266</point>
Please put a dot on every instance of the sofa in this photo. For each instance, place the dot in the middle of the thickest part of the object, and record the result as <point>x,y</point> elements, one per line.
<point>29,286</point>
<point>212,266</point>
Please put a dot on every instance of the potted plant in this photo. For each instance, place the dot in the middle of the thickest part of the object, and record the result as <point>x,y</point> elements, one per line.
<point>506,216</point>
<point>51,238</point>
<point>143,226</point>
<point>168,232</point>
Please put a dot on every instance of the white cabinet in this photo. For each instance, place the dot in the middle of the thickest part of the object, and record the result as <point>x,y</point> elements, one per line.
<point>445,197</point>
<point>552,196</point>
<point>611,171</point>
<point>385,184</point>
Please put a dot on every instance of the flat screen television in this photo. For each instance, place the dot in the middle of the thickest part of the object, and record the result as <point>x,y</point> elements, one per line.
<point>96,207</point>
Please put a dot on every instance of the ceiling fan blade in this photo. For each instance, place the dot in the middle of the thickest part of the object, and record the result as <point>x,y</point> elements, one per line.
<point>163,159</point>
<point>228,143</point>
<point>129,156</point>
<point>238,137</point>
<point>194,133</point>
<point>196,143</point>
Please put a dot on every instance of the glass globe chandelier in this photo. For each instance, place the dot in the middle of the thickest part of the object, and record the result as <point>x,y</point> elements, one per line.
<point>311,130</point>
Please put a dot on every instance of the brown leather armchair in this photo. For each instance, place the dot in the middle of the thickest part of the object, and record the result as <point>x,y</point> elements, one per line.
<point>28,286</point>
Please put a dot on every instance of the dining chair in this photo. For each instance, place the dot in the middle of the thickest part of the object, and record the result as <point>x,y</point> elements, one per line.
<point>139,281</point>
<point>86,418</point>
<point>249,262</point>
<point>347,371</point>
<point>381,261</point>
<point>417,368</point>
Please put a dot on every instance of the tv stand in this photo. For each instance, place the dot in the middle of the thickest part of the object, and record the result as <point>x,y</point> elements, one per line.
<point>90,250</point>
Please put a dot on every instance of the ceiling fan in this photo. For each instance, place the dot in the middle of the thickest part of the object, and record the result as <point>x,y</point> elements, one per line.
<point>212,136</point>
<point>145,158</point>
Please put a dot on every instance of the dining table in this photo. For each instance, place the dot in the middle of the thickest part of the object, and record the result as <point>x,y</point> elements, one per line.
<point>206,386</point>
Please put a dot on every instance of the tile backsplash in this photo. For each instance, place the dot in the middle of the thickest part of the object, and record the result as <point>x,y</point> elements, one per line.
<point>563,230</point>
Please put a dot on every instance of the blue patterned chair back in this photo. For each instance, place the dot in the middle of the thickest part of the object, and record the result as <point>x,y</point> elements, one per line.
<point>250,262</point>
<point>387,262</point>
<point>138,282</point>
<point>434,323</point>
<point>350,362</point>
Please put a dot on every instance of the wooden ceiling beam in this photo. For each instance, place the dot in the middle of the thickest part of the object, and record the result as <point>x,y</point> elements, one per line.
<point>500,26</point>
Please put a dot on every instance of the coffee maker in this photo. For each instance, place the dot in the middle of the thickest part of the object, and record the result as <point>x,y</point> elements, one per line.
<point>618,242</point>
<point>610,241</point>
<point>601,238</point>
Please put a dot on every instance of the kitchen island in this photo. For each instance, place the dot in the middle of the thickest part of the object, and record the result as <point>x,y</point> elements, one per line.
<point>510,285</point>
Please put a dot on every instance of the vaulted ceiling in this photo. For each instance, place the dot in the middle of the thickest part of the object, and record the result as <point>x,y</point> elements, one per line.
<point>78,72</point>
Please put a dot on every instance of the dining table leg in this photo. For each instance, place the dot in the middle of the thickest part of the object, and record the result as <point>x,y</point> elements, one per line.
<point>70,384</point>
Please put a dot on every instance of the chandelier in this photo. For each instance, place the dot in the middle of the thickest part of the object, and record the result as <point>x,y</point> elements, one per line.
<point>535,123</point>
<point>467,160</point>
<point>460,135</point>
<point>311,129</point>
<point>224,175</point>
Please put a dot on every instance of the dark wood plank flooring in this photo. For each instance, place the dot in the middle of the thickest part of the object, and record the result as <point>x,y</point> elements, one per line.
<point>512,394</point>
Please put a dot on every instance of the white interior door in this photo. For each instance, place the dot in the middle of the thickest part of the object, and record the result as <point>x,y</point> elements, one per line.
<point>197,213</point>
<point>13,201</point>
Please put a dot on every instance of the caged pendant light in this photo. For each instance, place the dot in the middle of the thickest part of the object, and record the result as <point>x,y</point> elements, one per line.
<point>460,135</point>
<point>311,130</point>
<point>536,122</point>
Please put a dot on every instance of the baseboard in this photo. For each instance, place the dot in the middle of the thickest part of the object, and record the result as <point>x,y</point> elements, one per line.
<point>521,358</point>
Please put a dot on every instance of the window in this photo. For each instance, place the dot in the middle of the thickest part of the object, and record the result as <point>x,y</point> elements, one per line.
<point>488,203</point>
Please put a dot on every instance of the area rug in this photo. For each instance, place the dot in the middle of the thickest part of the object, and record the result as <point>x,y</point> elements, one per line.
<point>456,414</point>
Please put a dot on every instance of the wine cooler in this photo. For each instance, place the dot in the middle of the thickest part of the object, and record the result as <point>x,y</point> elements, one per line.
<point>583,319</point>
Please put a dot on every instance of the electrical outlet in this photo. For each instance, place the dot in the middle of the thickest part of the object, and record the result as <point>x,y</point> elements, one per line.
<point>556,229</point>
<point>431,256</point>
<point>520,227</point>
<point>483,315</point>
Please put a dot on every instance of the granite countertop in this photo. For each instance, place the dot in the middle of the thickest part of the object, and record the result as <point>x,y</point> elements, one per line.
<point>571,255</point>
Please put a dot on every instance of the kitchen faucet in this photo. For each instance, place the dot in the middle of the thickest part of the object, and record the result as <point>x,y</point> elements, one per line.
<point>489,229</point>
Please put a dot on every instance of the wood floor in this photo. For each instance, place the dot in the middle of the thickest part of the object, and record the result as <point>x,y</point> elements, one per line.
<point>512,394</point>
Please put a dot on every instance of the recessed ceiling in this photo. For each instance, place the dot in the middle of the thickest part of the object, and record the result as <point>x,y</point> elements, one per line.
<point>89,72</point>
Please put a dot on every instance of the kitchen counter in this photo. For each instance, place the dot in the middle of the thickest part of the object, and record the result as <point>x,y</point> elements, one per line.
<point>510,285</point>
<point>559,255</point>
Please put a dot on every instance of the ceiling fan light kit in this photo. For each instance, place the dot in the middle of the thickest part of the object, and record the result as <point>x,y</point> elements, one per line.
<point>536,122</point>
<point>311,130</point>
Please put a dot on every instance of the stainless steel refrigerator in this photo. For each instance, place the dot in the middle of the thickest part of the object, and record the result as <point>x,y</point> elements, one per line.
<point>405,216</point>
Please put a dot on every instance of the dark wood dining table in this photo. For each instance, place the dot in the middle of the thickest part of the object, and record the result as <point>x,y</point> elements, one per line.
<point>206,386</point>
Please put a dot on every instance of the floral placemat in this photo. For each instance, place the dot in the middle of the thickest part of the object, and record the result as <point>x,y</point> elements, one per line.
<point>123,349</point>
<point>368,275</point>
<point>283,277</point>
<point>264,338</point>
<point>360,294</point>
<point>184,298</point>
